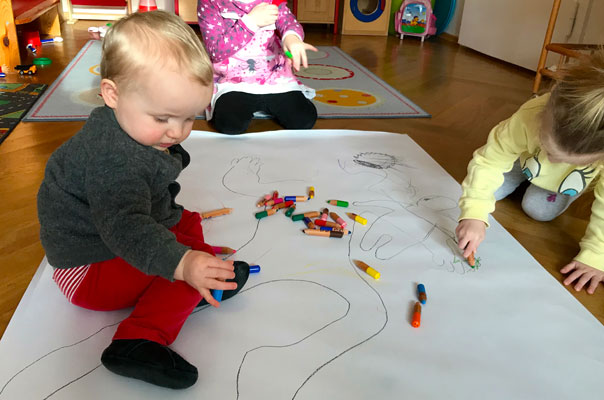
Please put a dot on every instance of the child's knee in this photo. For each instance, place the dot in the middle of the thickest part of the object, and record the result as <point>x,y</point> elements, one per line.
<point>537,214</point>
<point>229,125</point>
<point>304,117</point>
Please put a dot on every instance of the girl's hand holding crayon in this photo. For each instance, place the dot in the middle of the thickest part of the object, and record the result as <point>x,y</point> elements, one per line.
<point>297,48</point>
<point>470,233</point>
<point>264,14</point>
<point>582,274</point>
<point>204,272</point>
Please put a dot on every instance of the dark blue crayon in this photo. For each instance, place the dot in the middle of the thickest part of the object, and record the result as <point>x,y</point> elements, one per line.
<point>254,269</point>
<point>421,293</point>
<point>329,228</point>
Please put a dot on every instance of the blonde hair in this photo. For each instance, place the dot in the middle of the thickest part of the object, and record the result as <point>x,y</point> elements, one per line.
<point>149,40</point>
<point>577,106</point>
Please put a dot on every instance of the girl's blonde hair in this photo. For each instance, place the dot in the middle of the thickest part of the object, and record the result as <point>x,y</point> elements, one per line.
<point>148,40</point>
<point>577,106</point>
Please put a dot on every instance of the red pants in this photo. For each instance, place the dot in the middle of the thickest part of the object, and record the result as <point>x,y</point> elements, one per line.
<point>161,307</point>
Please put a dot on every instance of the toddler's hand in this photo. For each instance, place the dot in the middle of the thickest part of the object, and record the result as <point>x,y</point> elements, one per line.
<point>264,14</point>
<point>582,273</point>
<point>298,48</point>
<point>470,233</point>
<point>203,272</point>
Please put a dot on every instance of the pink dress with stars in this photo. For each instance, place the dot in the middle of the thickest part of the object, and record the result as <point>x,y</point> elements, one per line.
<point>247,58</point>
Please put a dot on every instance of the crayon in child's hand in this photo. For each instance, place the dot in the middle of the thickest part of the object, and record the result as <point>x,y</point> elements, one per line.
<point>223,250</point>
<point>471,260</point>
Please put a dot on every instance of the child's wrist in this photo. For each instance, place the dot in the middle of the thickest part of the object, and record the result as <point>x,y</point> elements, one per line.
<point>180,268</point>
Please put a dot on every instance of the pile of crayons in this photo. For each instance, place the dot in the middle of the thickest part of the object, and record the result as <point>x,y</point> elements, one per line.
<point>321,226</point>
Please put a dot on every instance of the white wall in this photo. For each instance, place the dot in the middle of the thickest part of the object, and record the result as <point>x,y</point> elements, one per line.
<point>513,30</point>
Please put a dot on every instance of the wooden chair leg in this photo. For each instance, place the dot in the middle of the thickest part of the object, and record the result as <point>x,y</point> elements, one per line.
<point>67,8</point>
<point>547,40</point>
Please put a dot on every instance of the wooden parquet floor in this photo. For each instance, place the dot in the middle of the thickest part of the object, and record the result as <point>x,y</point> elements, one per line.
<point>467,93</point>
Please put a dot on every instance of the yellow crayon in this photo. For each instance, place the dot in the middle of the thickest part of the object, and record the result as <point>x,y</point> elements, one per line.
<point>311,192</point>
<point>357,218</point>
<point>368,270</point>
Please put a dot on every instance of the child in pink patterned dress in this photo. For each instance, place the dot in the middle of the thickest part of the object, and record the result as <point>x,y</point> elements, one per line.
<point>246,41</point>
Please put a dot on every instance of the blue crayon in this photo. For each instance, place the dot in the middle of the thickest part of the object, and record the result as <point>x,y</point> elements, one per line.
<point>254,269</point>
<point>421,293</point>
<point>329,229</point>
<point>217,294</point>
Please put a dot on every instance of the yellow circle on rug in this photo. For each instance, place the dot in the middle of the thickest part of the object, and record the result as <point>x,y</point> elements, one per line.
<point>345,97</point>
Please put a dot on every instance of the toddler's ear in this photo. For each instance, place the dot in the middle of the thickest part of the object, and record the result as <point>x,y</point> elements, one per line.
<point>109,92</point>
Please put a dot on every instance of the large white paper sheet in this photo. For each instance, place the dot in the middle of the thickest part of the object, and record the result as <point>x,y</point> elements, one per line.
<point>311,325</point>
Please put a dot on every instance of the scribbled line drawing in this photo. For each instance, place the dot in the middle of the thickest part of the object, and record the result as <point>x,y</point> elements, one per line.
<point>400,199</point>
<point>246,170</point>
<point>195,312</point>
<point>54,351</point>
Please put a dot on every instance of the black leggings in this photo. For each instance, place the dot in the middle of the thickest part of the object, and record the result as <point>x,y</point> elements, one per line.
<point>233,111</point>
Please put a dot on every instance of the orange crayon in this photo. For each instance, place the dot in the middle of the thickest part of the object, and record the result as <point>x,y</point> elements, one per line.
<point>471,260</point>
<point>216,213</point>
<point>417,315</point>
<point>367,269</point>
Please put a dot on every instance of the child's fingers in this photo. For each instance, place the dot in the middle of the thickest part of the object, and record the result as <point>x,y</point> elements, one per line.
<point>207,295</point>
<point>568,267</point>
<point>310,47</point>
<point>585,277</point>
<point>572,277</point>
<point>304,59</point>
<point>296,59</point>
<point>593,285</point>
<point>222,285</point>
<point>470,248</point>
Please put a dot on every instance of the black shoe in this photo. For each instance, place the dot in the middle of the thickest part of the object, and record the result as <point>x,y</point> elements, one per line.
<point>242,272</point>
<point>150,362</point>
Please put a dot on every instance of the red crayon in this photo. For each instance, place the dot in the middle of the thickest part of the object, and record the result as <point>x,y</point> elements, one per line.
<point>417,315</point>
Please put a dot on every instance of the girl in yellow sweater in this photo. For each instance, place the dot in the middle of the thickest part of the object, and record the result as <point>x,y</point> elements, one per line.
<point>556,142</point>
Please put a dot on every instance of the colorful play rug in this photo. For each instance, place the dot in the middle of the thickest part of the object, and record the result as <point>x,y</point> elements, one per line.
<point>345,89</point>
<point>15,100</point>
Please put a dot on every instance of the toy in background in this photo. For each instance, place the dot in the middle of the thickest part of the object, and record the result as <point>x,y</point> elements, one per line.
<point>98,32</point>
<point>147,5</point>
<point>366,17</point>
<point>415,18</point>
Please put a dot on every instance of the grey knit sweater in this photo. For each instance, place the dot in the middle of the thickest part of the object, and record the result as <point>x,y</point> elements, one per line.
<point>105,195</point>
